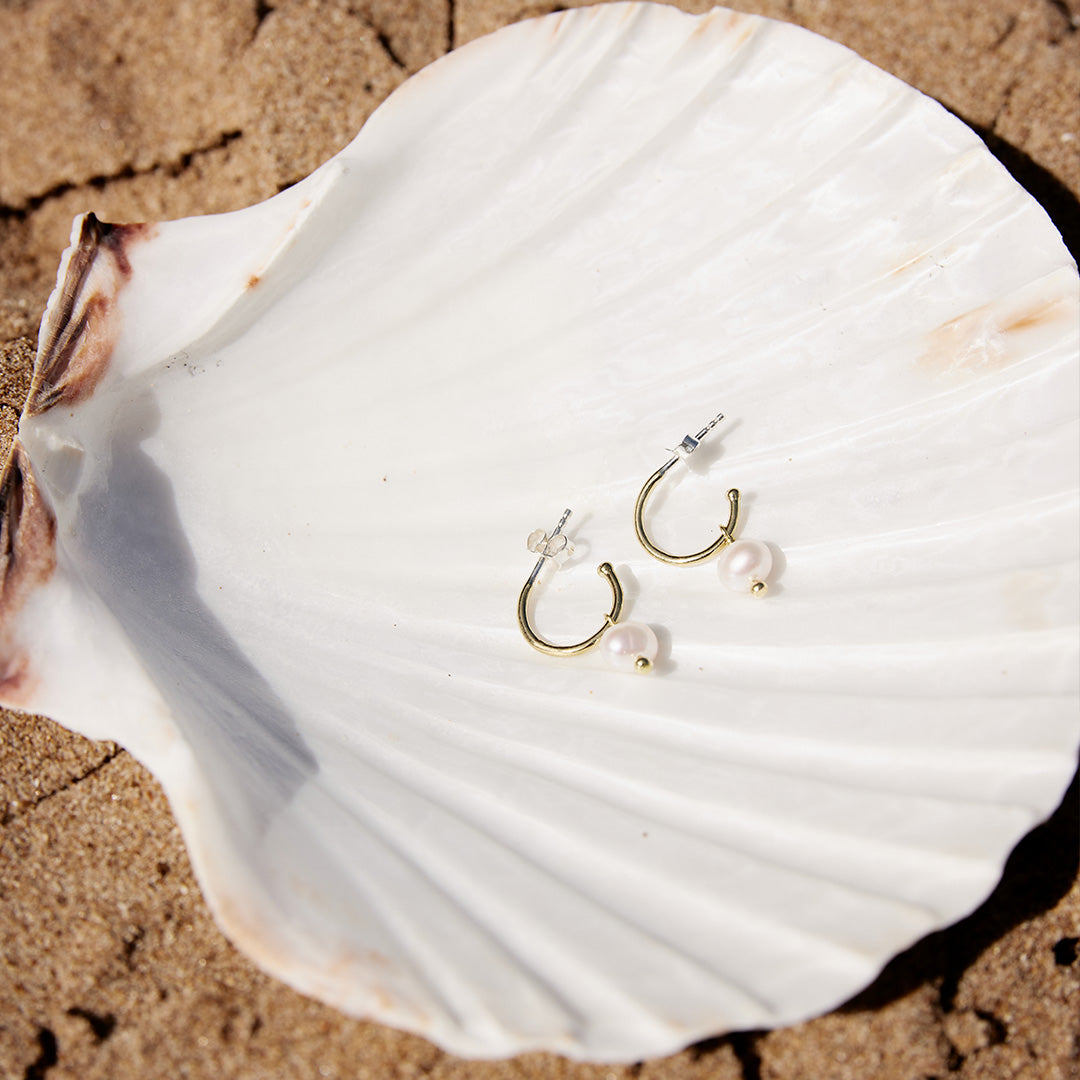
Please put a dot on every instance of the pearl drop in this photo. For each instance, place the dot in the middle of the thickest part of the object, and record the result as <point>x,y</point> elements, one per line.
<point>743,563</point>
<point>626,643</point>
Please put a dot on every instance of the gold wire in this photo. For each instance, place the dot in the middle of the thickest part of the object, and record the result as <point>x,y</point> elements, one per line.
<point>727,532</point>
<point>606,571</point>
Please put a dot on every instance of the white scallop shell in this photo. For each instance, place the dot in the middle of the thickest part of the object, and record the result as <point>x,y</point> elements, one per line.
<point>285,460</point>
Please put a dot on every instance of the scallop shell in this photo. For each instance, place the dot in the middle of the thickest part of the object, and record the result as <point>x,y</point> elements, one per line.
<point>264,526</point>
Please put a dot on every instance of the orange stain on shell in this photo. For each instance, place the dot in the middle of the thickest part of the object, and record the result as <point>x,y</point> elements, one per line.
<point>983,339</point>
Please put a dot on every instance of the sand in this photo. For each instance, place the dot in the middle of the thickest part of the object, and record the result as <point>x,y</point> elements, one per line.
<point>110,965</point>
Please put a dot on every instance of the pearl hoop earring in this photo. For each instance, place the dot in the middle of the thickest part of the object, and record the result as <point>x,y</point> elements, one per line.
<point>744,564</point>
<point>629,645</point>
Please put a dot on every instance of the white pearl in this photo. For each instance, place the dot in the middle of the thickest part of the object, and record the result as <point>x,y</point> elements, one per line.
<point>743,563</point>
<point>628,645</point>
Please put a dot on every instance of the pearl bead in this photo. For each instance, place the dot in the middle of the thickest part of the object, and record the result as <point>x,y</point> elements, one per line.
<point>744,565</point>
<point>630,646</point>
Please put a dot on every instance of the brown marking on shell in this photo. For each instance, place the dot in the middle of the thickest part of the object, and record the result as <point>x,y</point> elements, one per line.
<point>739,27</point>
<point>557,20</point>
<point>253,281</point>
<point>79,333</point>
<point>17,680</point>
<point>979,340</point>
<point>706,23</point>
<point>1035,316</point>
<point>27,561</point>
<point>747,28</point>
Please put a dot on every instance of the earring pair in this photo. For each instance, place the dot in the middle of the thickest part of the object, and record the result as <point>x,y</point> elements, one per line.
<point>744,566</point>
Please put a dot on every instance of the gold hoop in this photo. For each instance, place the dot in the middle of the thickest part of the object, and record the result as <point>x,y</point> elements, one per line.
<point>606,571</point>
<point>727,532</point>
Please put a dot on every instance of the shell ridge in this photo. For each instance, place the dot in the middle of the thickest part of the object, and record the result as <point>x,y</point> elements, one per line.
<point>739,748</point>
<point>417,947</point>
<point>545,762</point>
<point>735,657</point>
<point>403,97</point>
<point>915,666</point>
<point>376,828</point>
<point>226,902</point>
<point>593,78</point>
<point>831,306</point>
<point>556,767</point>
<point>1051,505</point>
<point>457,889</point>
<point>614,718</point>
<point>520,247</point>
<point>519,946</point>
<point>583,193</point>
<point>395,764</point>
<point>715,248</point>
<point>893,423</point>
<point>800,323</point>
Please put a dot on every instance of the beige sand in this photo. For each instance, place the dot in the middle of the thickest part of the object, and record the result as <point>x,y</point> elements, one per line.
<point>110,966</point>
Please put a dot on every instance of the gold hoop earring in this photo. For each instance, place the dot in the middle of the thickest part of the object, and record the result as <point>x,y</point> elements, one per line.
<point>627,645</point>
<point>744,565</point>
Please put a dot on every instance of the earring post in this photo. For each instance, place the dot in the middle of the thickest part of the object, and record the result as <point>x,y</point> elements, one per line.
<point>562,521</point>
<point>709,426</point>
<point>545,554</point>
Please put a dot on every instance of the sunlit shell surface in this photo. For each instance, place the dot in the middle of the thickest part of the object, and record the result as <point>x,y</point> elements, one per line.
<point>265,525</point>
